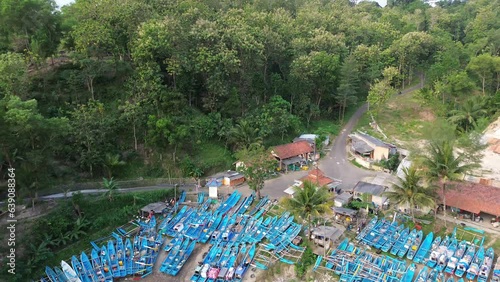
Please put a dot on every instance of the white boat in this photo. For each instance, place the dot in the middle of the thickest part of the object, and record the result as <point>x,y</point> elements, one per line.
<point>69,272</point>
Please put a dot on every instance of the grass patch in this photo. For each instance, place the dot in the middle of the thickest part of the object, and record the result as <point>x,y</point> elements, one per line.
<point>354,162</point>
<point>325,126</point>
<point>212,158</point>
<point>401,118</point>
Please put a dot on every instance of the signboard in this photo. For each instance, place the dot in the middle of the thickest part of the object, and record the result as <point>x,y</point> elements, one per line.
<point>212,192</point>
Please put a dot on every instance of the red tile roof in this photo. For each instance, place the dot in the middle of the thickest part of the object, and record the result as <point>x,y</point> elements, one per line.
<point>290,150</point>
<point>316,176</point>
<point>474,197</point>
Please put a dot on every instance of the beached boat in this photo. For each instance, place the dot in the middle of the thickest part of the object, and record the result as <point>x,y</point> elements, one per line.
<point>485,269</point>
<point>367,228</point>
<point>129,256</point>
<point>409,242</point>
<point>69,272</point>
<point>342,246</point>
<point>51,274</point>
<point>424,248</point>
<point>422,275</point>
<point>496,272</point>
<point>243,267</point>
<point>433,276</point>
<point>410,272</point>
<point>400,242</point>
<point>437,251</point>
<point>464,263</point>
<point>174,242</point>
<point>447,255</point>
<point>416,244</point>
<point>97,266</point>
<point>77,267</point>
<point>473,269</point>
<point>60,274</point>
<point>87,267</point>
<point>105,261</point>
<point>392,239</point>
<point>113,260</point>
<point>453,261</point>
<point>450,279</point>
<point>120,256</point>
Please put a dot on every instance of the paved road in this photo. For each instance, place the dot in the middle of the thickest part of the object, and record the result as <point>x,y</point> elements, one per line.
<point>336,165</point>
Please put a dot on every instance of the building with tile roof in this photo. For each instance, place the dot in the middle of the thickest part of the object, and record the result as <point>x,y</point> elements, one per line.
<point>473,197</point>
<point>292,153</point>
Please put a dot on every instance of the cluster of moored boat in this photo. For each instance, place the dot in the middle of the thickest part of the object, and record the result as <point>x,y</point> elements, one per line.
<point>120,257</point>
<point>234,232</point>
<point>443,258</point>
<point>233,229</point>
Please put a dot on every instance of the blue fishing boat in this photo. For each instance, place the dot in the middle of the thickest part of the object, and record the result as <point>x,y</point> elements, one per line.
<point>473,269</point>
<point>77,267</point>
<point>409,242</point>
<point>97,266</point>
<point>113,261</point>
<point>221,277</point>
<point>410,272</point>
<point>464,263</point>
<point>393,239</point>
<point>400,242</point>
<point>105,262</point>
<point>485,269</point>
<point>129,257</point>
<point>172,255</point>
<point>416,244</point>
<point>450,279</point>
<point>51,274</point>
<point>242,268</point>
<point>87,267</point>
<point>367,228</point>
<point>433,275</point>
<point>120,256</point>
<point>453,261</point>
<point>174,242</point>
<point>437,252</point>
<point>187,253</point>
<point>69,272</point>
<point>341,247</point>
<point>424,248</point>
<point>446,255</point>
<point>60,274</point>
<point>496,272</point>
<point>422,275</point>
<point>232,267</point>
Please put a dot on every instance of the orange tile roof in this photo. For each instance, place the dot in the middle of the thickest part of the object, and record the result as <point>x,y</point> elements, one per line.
<point>316,176</point>
<point>473,197</point>
<point>290,150</point>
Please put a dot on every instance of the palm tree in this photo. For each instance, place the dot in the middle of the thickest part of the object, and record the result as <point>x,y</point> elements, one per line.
<point>410,192</point>
<point>309,202</point>
<point>467,115</point>
<point>112,161</point>
<point>442,165</point>
<point>242,135</point>
<point>111,188</point>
